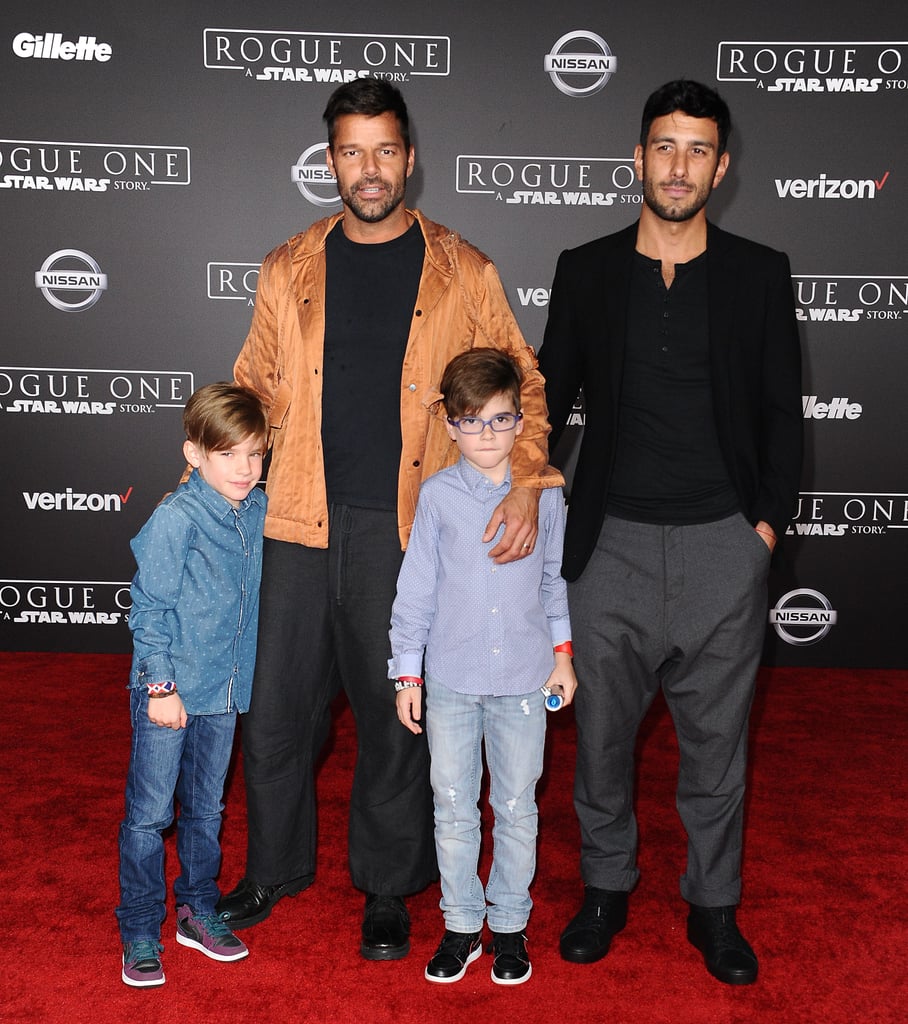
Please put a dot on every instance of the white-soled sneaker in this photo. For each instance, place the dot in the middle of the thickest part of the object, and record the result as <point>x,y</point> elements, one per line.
<point>455,953</point>
<point>209,935</point>
<point>512,964</point>
<point>142,963</point>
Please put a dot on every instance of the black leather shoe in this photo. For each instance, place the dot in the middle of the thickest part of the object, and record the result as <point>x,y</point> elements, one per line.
<point>512,964</point>
<point>588,936</point>
<point>727,953</point>
<point>386,928</point>
<point>249,903</point>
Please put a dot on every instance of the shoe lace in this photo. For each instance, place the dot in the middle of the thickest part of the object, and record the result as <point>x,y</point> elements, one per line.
<point>727,934</point>
<point>457,945</point>
<point>214,926</point>
<point>725,930</point>
<point>143,949</point>
<point>510,944</point>
<point>595,907</point>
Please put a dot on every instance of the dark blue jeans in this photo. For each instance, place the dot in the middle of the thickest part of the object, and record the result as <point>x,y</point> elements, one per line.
<point>190,764</point>
<point>323,623</point>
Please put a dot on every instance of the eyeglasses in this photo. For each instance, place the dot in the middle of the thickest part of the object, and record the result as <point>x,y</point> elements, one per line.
<point>501,423</point>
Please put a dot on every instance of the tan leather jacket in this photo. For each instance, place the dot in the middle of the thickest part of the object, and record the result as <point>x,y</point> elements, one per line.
<point>460,303</point>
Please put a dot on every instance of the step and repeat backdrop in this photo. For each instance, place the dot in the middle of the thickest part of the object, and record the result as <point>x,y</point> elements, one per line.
<point>153,153</point>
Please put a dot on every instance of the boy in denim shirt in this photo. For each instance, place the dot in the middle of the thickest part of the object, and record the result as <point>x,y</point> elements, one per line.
<point>194,620</point>
<point>491,636</point>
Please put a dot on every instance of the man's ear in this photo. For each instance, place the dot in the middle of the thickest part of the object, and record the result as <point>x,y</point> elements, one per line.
<point>721,168</point>
<point>192,454</point>
<point>638,161</point>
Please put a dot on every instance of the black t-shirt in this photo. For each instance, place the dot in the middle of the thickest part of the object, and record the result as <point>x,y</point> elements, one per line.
<point>668,465</point>
<point>370,293</point>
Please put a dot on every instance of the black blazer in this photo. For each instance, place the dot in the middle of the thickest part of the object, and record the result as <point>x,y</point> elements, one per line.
<point>756,374</point>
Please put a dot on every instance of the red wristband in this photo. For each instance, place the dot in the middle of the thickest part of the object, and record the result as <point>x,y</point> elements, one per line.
<point>413,680</point>
<point>566,648</point>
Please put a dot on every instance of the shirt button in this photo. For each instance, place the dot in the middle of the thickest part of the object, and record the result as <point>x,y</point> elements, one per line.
<point>496,650</point>
<point>494,611</point>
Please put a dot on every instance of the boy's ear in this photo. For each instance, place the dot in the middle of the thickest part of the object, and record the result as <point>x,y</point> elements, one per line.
<point>192,454</point>
<point>451,429</point>
<point>519,427</point>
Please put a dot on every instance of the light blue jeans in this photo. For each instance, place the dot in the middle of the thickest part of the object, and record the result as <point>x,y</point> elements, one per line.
<point>190,764</point>
<point>513,729</point>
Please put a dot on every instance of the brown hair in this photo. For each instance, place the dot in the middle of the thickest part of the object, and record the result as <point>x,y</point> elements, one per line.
<point>474,377</point>
<point>371,97</point>
<point>220,415</point>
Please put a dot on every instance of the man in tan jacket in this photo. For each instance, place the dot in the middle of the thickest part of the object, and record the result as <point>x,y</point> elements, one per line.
<point>355,320</point>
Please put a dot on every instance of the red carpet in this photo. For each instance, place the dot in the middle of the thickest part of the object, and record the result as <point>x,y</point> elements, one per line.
<point>824,902</point>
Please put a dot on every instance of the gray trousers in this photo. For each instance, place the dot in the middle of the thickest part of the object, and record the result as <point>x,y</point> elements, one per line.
<point>682,608</point>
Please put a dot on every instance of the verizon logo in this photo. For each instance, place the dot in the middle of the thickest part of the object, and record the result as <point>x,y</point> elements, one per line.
<point>75,501</point>
<point>825,187</point>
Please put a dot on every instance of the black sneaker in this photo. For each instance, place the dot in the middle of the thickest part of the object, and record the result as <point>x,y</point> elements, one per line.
<point>589,933</point>
<point>512,965</point>
<point>456,952</point>
<point>726,953</point>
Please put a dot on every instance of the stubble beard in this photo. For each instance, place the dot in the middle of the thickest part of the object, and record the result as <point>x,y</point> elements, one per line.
<point>372,211</point>
<point>677,211</point>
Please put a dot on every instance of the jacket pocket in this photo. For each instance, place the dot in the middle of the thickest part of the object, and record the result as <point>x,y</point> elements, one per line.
<point>282,402</point>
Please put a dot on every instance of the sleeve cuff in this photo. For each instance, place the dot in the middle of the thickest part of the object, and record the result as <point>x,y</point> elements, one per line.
<point>409,663</point>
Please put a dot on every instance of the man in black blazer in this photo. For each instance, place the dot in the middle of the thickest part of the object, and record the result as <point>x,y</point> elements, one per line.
<point>684,342</point>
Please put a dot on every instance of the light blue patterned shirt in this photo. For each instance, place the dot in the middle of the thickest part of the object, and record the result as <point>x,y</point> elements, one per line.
<point>484,628</point>
<point>195,597</point>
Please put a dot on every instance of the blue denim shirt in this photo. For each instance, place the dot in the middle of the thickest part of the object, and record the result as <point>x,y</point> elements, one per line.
<point>485,628</point>
<point>195,597</point>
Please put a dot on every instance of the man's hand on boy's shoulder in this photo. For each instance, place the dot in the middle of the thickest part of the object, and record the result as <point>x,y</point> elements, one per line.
<point>519,511</point>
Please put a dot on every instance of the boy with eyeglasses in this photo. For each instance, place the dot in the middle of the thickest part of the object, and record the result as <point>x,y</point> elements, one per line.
<point>491,636</point>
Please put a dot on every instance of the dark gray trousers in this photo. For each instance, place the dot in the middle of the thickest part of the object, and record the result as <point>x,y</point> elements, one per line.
<point>324,622</point>
<point>682,608</point>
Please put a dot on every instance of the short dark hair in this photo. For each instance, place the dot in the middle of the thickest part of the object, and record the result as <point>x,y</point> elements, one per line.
<point>473,378</point>
<point>369,96</point>
<point>691,98</point>
<point>220,415</point>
